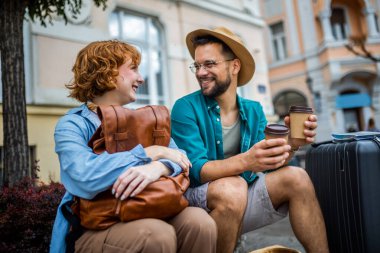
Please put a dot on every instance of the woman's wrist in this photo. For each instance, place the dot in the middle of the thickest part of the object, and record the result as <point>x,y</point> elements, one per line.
<point>164,170</point>
<point>154,152</point>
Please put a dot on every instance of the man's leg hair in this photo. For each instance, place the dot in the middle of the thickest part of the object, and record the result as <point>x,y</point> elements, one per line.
<point>293,185</point>
<point>227,200</point>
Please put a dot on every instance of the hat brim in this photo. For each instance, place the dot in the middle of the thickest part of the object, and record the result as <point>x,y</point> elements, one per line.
<point>247,68</point>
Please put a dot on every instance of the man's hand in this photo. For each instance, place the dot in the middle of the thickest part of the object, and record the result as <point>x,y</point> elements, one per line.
<point>160,152</point>
<point>134,180</point>
<point>309,131</point>
<point>267,154</point>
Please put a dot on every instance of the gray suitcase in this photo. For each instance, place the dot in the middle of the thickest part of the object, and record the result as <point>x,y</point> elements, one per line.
<point>346,177</point>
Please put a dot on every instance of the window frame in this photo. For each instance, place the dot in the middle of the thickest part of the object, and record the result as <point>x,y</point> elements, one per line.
<point>279,52</point>
<point>346,26</point>
<point>145,46</point>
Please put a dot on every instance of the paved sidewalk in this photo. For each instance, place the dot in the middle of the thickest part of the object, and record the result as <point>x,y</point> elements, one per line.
<point>279,233</point>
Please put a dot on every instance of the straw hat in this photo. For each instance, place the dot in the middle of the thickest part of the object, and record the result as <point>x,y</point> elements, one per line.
<point>234,43</point>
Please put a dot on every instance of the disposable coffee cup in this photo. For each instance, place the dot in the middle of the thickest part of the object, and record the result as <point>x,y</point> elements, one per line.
<point>298,116</point>
<point>273,131</point>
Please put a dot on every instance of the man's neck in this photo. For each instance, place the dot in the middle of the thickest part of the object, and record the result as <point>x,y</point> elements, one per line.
<point>227,101</point>
<point>229,110</point>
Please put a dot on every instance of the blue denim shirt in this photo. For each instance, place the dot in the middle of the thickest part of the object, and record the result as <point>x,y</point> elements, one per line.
<point>197,128</point>
<point>84,173</point>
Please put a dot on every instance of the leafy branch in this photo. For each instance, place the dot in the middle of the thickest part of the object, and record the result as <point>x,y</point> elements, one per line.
<point>357,46</point>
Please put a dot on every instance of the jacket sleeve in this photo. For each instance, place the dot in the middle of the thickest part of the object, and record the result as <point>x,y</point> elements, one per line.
<point>83,172</point>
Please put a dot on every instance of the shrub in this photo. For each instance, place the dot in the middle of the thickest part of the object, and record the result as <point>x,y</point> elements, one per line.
<point>27,213</point>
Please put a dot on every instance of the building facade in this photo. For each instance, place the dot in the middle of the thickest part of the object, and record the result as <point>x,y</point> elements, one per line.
<point>158,28</point>
<point>310,64</point>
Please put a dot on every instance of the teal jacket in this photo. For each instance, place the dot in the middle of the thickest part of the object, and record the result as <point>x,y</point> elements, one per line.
<point>197,128</point>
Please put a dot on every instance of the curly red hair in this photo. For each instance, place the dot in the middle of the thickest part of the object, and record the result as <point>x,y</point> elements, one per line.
<point>96,68</point>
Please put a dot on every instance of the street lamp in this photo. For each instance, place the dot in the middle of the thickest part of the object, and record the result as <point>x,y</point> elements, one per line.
<point>315,95</point>
<point>309,82</point>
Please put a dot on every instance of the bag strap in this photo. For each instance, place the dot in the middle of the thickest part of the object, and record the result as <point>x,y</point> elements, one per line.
<point>121,127</point>
<point>108,117</point>
<point>183,188</point>
<point>76,229</point>
<point>159,134</point>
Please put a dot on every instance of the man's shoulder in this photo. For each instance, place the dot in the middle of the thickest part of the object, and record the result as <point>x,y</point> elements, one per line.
<point>195,98</point>
<point>196,95</point>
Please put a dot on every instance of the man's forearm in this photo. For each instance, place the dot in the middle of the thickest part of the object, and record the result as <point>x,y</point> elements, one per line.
<point>232,166</point>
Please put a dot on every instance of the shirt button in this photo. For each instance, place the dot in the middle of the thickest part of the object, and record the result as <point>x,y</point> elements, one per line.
<point>217,142</point>
<point>217,119</point>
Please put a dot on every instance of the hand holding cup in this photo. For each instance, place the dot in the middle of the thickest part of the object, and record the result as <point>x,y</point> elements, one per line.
<point>302,124</point>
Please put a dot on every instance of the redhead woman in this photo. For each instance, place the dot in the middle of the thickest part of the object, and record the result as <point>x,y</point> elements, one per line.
<point>107,73</point>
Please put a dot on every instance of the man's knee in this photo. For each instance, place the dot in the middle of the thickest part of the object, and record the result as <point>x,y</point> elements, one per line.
<point>228,193</point>
<point>297,180</point>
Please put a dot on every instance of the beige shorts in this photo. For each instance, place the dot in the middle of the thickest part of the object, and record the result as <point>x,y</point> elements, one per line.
<point>259,211</point>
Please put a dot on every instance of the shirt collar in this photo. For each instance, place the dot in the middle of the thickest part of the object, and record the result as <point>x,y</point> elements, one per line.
<point>86,113</point>
<point>211,103</point>
<point>240,105</point>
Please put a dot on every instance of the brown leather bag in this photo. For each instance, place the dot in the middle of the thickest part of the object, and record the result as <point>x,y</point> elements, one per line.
<point>122,129</point>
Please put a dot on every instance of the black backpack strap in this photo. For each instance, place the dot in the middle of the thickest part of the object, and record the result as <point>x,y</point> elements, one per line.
<point>76,229</point>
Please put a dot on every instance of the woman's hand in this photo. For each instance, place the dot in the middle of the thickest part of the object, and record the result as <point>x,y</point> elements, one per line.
<point>160,152</point>
<point>134,180</point>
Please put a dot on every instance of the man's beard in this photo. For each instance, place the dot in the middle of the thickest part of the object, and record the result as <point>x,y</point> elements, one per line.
<point>219,87</point>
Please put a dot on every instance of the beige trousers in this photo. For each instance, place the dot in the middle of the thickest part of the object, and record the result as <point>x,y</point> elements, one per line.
<point>192,230</point>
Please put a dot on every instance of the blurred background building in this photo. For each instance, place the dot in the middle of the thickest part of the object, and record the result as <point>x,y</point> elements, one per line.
<point>299,47</point>
<point>310,62</point>
<point>158,28</point>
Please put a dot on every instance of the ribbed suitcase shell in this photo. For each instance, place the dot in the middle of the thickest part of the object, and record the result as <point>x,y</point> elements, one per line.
<point>346,178</point>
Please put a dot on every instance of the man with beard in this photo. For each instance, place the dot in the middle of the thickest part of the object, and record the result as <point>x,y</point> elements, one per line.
<point>223,135</point>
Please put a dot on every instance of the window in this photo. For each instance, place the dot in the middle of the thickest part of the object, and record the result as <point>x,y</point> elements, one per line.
<point>32,162</point>
<point>278,41</point>
<point>339,24</point>
<point>145,33</point>
<point>286,99</point>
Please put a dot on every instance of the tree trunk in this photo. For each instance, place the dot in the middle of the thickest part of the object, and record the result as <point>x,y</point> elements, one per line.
<point>16,149</point>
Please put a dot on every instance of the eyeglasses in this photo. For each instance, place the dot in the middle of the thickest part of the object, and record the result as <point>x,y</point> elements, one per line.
<point>207,65</point>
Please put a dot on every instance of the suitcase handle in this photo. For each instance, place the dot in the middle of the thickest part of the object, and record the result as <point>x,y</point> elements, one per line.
<point>316,144</point>
<point>376,139</point>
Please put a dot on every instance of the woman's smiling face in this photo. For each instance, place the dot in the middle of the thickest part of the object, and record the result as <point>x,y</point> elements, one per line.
<point>127,83</point>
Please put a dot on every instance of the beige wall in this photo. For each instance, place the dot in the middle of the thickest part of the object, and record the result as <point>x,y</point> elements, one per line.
<point>51,51</point>
<point>41,125</point>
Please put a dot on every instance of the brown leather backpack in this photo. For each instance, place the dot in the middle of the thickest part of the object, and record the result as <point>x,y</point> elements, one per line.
<point>121,130</point>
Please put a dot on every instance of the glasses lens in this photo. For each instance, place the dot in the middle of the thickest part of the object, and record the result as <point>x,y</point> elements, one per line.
<point>209,64</point>
<point>194,67</point>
